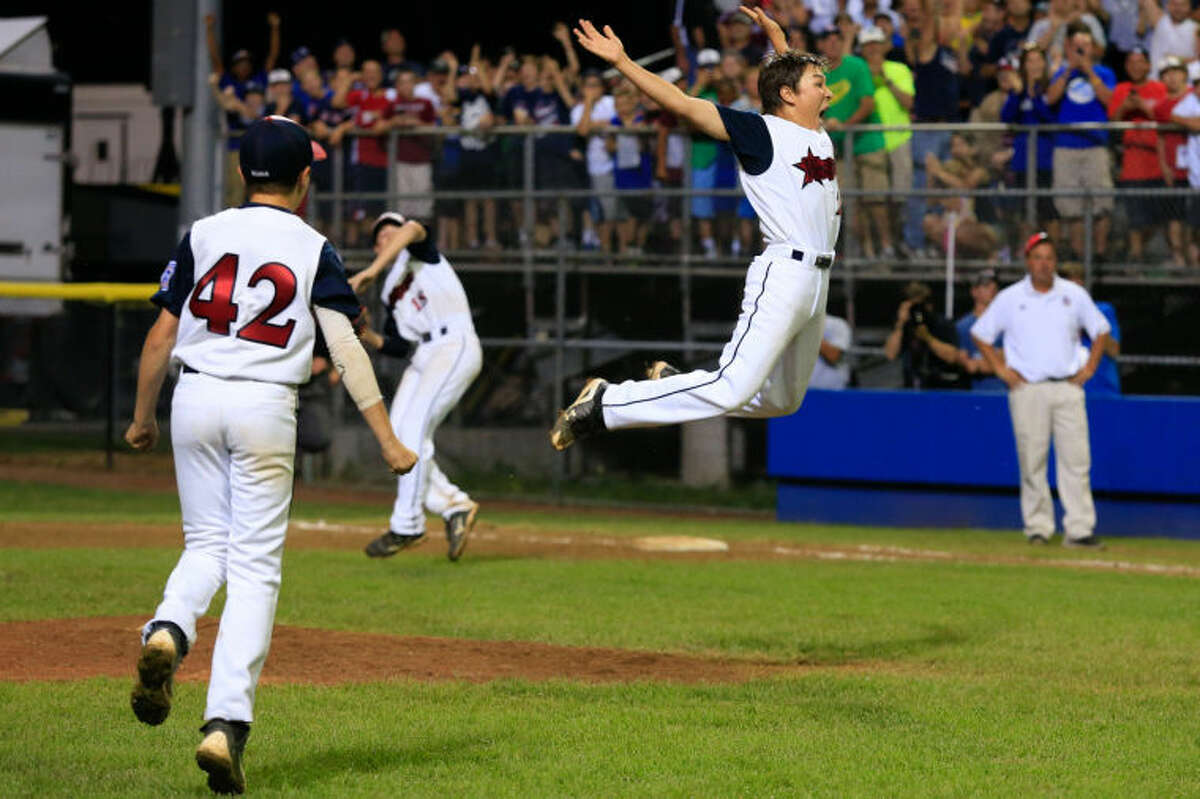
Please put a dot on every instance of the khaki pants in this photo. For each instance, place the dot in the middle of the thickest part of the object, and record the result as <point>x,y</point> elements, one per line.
<point>1040,410</point>
<point>412,178</point>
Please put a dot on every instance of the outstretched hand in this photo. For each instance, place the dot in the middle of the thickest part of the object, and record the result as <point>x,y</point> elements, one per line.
<point>770,27</point>
<point>606,45</point>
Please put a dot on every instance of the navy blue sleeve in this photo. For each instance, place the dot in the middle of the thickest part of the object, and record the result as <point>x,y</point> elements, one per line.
<point>330,288</point>
<point>177,279</point>
<point>749,138</point>
<point>392,343</point>
<point>424,251</point>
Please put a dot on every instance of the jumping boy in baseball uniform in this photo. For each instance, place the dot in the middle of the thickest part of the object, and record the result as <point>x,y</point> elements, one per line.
<point>788,171</point>
<point>240,304</point>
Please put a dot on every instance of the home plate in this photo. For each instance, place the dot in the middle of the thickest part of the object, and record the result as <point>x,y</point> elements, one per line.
<point>679,543</point>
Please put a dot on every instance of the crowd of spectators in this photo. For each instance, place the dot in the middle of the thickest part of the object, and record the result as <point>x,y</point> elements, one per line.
<point>924,61</point>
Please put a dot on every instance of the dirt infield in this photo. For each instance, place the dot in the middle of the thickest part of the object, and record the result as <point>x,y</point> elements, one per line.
<point>73,649</point>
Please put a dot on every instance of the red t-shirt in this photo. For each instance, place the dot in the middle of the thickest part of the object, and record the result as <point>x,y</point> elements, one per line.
<point>414,149</point>
<point>370,108</point>
<point>1172,140</point>
<point>1140,161</point>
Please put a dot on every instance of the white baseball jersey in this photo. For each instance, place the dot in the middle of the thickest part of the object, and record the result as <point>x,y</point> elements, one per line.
<point>1041,329</point>
<point>789,174</point>
<point>423,295</point>
<point>242,283</point>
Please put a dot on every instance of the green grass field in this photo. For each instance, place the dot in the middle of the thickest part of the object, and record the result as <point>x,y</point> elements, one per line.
<point>990,670</point>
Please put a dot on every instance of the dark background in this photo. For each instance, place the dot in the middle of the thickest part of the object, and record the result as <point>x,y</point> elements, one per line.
<point>110,42</point>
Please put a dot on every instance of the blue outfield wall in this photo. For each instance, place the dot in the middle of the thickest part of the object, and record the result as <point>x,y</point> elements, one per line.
<point>943,458</point>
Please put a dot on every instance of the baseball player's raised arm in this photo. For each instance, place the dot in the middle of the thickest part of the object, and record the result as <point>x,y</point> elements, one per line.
<point>701,113</point>
<point>410,233</point>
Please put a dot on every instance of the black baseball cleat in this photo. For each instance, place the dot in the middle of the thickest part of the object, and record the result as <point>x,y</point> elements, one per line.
<point>1090,542</point>
<point>390,543</point>
<point>160,657</point>
<point>458,529</point>
<point>220,755</point>
<point>1038,538</point>
<point>660,369</point>
<point>582,418</point>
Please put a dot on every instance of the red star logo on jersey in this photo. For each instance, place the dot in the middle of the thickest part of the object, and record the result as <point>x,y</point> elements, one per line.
<point>816,169</point>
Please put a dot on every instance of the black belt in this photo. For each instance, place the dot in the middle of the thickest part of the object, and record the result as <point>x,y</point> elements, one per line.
<point>428,337</point>
<point>822,261</point>
<point>187,370</point>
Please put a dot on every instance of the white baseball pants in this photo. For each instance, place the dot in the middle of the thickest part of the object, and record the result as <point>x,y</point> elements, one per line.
<point>1039,411</point>
<point>440,373</point>
<point>234,444</point>
<point>763,370</point>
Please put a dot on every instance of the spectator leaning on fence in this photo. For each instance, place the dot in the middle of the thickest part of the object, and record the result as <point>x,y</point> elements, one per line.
<point>1026,105</point>
<point>1171,30</point>
<point>1041,318</point>
<point>670,155</point>
<point>631,171</point>
<point>1172,163</point>
<point>704,154</point>
<point>594,114</point>
<point>1082,90</point>
<point>936,80</point>
<point>477,172</point>
<point>413,170</point>
<point>372,107</point>
<point>1187,113</point>
<point>893,101</point>
<point>849,78</point>
<point>1107,379</point>
<point>239,78</point>
<point>1134,100</point>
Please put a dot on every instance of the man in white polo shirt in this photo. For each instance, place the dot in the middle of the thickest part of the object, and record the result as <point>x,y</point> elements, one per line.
<point>1040,318</point>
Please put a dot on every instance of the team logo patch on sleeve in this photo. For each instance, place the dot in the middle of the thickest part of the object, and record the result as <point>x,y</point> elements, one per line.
<point>164,282</point>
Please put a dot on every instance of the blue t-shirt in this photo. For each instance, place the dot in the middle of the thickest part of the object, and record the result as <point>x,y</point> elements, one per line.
<point>1107,379</point>
<point>546,108</point>
<point>1024,109</point>
<point>965,342</point>
<point>1080,104</point>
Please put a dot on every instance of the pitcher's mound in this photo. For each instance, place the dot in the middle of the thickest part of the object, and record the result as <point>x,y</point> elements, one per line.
<point>679,543</point>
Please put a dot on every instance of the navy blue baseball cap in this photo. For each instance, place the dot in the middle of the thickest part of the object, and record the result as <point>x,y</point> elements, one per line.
<point>299,54</point>
<point>276,149</point>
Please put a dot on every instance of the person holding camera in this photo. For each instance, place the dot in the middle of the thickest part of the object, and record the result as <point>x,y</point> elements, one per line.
<point>1041,318</point>
<point>1082,89</point>
<point>918,330</point>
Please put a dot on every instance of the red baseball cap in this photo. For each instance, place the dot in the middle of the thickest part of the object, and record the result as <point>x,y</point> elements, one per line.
<point>1036,239</point>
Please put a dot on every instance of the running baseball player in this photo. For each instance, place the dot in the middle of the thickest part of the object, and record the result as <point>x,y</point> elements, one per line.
<point>426,307</point>
<point>240,304</point>
<point>788,171</point>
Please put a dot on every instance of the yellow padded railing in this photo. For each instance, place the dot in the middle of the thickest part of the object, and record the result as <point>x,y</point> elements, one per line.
<point>94,292</point>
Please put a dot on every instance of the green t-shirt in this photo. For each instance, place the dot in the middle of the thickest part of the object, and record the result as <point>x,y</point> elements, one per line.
<point>888,107</point>
<point>851,82</point>
<point>704,148</point>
